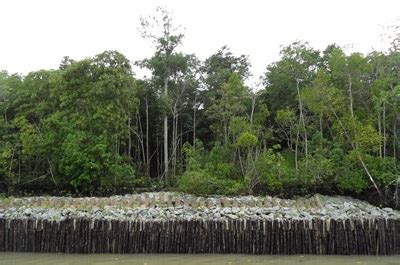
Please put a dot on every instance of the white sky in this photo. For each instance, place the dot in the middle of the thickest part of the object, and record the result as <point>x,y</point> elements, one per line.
<point>36,34</point>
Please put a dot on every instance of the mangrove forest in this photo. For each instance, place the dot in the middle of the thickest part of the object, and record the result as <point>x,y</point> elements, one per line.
<point>319,121</point>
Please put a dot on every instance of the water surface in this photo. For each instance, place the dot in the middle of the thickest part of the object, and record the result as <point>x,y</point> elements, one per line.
<point>174,259</point>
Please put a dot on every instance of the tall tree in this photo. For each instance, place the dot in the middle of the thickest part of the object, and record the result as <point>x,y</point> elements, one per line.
<point>166,36</point>
<point>298,61</point>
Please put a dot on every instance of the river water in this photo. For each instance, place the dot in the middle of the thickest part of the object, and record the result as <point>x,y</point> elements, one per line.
<point>173,259</point>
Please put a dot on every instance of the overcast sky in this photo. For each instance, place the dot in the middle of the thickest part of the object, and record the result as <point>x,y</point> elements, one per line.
<point>36,34</point>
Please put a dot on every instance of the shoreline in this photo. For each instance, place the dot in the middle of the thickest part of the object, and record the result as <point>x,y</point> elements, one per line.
<point>159,206</point>
<point>177,223</point>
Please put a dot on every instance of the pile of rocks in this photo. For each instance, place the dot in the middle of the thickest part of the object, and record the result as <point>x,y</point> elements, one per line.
<point>175,206</point>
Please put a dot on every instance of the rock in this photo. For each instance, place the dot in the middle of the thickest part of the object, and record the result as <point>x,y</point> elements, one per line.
<point>217,216</point>
<point>232,216</point>
<point>28,212</point>
<point>235,210</point>
<point>226,211</point>
<point>375,212</point>
<point>189,207</point>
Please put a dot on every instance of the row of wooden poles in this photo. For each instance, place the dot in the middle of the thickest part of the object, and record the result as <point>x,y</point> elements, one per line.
<point>361,237</point>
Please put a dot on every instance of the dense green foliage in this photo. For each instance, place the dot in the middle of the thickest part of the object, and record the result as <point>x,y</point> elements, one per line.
<point>325,121</point>
<point>67,129</point>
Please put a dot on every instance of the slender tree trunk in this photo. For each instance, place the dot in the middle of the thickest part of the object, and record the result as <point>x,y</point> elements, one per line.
<point>117,145</point>
<point>147,139</point>
<point>158,155</point>
<point>253,105</point>
<point>10,170</point>
<point>140,138</point>
<point>140,135</point>
<point>166,133</point>
<point>296,150</point>
<point>249,161</point>
<point>174,140</point>
<point>380,132</point>
<point>320,125</point>
<point>384,128</point>
<point>395,139</point>
<point>129,138</point>
<point>290,143</point>
<point>354,146</point>
<point>181,148</point>
<point>51,172</point>
<point>137,147</point>
<point>397,192</point>
<point>19,172</point>
<point>241,163</point>
<point>368,173</point>
<point>351,96</point>
<point>194,121</point>
<point>173,144</point>
<point>303,121</point>
<point>176,143</point>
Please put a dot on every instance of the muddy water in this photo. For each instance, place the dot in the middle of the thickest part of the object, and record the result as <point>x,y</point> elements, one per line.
<point>108,259</point>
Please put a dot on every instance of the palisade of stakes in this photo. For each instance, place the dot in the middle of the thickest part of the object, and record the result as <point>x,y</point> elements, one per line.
<point>167,222</point>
